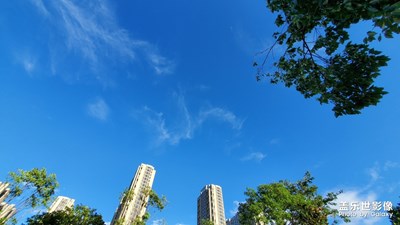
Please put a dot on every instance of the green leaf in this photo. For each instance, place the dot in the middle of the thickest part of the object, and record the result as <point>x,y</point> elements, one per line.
<point>371,33</point>
<point>279,20</point>
<point>388,34</point>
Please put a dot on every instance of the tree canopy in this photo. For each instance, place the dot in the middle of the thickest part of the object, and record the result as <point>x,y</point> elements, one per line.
<point>78,215</point>
<point>395,215</point>
<point>283,201</point>
<point>320,59</point>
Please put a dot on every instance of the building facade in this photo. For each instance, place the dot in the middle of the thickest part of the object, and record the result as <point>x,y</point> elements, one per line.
<point>234,220</point>
<point>134,202</point>
<point>210,205</point>
<point>61,203</point>
<point>6,210</point>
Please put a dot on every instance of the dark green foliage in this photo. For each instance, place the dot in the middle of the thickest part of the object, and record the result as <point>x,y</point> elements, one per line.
<point>79,215</point>
<point>155,201</point>
<point>206,222</point>
<point>319,58</point>
<point>395,218</point>
<point>282,202</point>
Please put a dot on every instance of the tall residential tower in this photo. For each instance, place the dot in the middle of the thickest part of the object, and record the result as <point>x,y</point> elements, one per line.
<point>234,220</point>
<point>133,204</point>
<point>6,210</point>
<point>61,203</point>
<point>210,205</point>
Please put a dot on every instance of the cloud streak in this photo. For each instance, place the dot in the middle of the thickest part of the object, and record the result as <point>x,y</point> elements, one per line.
<point>28,65</point>
<point>223,115</point>
<point>160,64</point>
<point>374,173</point>
<point>235,209</point>
<point>158,222</point>
<point>41,7</point>
<point>254,156</point>
<point>156,121</point>
<point>183,129</point>
<point>98,110</point>
<point>27,61</point>
<point>91,31</point>
<point>391,165</point>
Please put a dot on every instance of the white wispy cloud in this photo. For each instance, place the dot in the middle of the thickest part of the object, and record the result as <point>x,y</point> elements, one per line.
<point>393,187</point>
<point>156,121</point>
<point>91,30</point>
<point>391,165</point>
<point>379,171</point>
<point>187,124</point>
<point>274,141</point>
<point>98,109</point>
<point>27,61</point>
<point>235,209</point>
<point>158,222</point>
<point>221,114</point>
<point>41,7</point>
<point>380,168</point>
<point>254,156</point>
<point>183,128</point>
<point>373,172</point>
<point>160,64</point>
<point>29,65</point>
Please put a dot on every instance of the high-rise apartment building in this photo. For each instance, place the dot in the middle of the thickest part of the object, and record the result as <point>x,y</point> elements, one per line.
<point>61,203</point>
<point>134,206</point>
<point>6,210</point>
<point>234,220</point>
<point>210,205</point>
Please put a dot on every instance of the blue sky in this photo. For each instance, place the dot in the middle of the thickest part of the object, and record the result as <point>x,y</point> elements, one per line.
<point>91,89</point>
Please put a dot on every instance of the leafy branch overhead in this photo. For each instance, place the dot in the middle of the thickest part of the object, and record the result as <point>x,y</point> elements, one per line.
<point>320,59</point>
<point>36,185</point>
